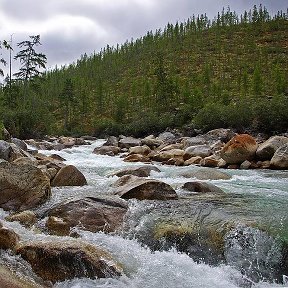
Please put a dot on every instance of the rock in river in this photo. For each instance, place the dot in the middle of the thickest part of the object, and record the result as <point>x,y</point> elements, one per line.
<point>61,260</point>
<point>22,187</point>
<point>93,214</point>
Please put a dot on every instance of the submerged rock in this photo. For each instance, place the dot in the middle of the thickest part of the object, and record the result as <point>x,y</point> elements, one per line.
<point>22,187</point>
<point>130,186</point>
<point>92,214</point>
<point>201,187</point>
<point>206,174</point>
<point>61,260</point>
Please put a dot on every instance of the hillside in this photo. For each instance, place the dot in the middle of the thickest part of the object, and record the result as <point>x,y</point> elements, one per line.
<point>228,72</point>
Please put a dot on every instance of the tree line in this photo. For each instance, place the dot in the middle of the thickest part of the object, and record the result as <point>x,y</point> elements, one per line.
<point>230,71</point>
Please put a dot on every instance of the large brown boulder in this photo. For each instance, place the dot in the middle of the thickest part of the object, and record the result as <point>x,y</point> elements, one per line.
<point>130,186</point>
<point>280,158</point>
<point>69,176</point>
<point>8,238</point>
<point>22,187</point>
<point>59,260</point>
<point>92,214</point>
<point>240,148</point>
<point>266,150</point>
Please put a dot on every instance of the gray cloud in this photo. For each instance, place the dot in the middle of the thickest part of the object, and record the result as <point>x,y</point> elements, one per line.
<point>69,28</point>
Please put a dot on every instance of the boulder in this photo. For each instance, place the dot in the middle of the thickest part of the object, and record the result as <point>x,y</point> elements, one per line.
<point>240,148</point>
<point>193,141</point>
<point>168,154</point>
<point>151,142</point>
<point>19,143</point>
<point>8,238</point>
<point>143,171</point>
<point>68,142</point>
<point>201,187</point>
<point>266,150</point>
<point>22,187</point>
<point>26,218</point>
<point>280,158</point>
<point>111,141</point>
<point>9,151</point>
<point>130,186</point>
<point>144,150</point>
<point>210,161</point>
<point>198,150</point>
<point>193,160</point>
<point>92,214</point>
<point>167,137</point>
<point>69,176</point>
<point>9,279</point>
<point>127,142</point>
<point>107,150</point>
<point>171,147</point>
<point>221,134</point>
<point>26,160</point>
<point>59,260</point>
<point>137,158</point>
<point>206,174</point>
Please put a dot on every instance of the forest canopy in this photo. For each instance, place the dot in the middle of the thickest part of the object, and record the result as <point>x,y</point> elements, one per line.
<point>231,71</point>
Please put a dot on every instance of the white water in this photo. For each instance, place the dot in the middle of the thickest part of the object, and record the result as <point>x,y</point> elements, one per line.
<point>143,267</point>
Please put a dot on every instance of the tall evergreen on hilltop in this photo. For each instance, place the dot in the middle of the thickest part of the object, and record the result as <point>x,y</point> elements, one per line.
<point>231,71</point>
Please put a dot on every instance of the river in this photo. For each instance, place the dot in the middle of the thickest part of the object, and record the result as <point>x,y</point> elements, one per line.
<point>265,194</point>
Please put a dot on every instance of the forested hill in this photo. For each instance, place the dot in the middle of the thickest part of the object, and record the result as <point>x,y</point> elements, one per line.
<point>231,71</point>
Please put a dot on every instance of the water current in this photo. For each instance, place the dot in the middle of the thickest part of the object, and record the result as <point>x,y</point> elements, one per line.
<point>264,193</point>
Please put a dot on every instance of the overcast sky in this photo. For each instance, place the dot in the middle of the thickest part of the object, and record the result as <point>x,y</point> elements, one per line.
<point>69,28</point>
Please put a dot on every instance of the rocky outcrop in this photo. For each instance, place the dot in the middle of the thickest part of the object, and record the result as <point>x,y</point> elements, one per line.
<point>22,187</point>
<point>266,150</point>
<point>280,158</point>
<point>240,148</point>
<point>92,214</point>
<point>69,176</point>
<point>130,186</point>
<point>61,260</point>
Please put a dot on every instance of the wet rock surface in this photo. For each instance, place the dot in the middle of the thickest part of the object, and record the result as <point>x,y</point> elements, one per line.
<point>61,260</point>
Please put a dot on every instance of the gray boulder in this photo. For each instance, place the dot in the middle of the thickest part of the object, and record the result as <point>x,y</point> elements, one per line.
<point>266,150</point>
<point>280,158</point>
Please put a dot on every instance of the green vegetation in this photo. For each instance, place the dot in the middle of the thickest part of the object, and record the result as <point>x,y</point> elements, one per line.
<point>231,71</point>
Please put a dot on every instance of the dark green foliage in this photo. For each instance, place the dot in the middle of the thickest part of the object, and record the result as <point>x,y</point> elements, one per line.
<point>231,71</point>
